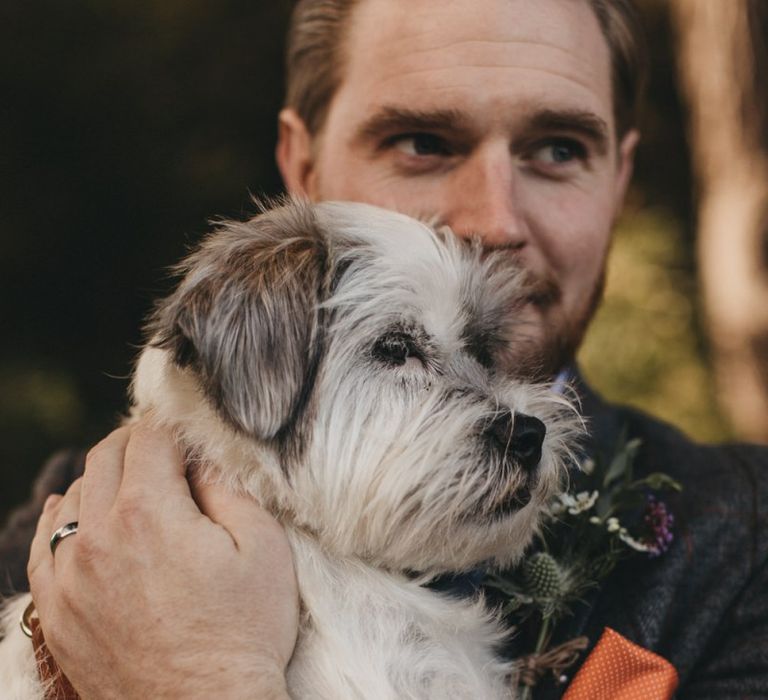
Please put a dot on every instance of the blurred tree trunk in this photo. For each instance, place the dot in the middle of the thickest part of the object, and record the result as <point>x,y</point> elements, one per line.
<point>722,61</point>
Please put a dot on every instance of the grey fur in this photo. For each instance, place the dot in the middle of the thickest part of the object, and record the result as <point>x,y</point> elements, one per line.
<point>347,368</point>
<point>247,318</point>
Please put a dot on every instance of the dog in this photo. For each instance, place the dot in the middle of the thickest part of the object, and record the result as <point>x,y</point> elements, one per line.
<point>354,371</point>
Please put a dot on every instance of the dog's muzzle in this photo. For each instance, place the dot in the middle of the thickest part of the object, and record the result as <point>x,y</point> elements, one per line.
<point>516,441</point>
<point>518,437</point>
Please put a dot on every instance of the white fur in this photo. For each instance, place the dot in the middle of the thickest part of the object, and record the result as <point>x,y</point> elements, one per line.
<point>19,679</point>
<point>390,472</point>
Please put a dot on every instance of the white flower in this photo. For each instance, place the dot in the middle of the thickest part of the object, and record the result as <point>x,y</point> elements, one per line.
<point>588,466</point>
<point>556,507</point>
<point>625,537</point>
<point>574,504</point>
<point>583,501</point>
<point>613,525</point>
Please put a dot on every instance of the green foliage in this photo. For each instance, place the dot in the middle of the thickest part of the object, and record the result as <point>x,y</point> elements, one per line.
<point>43,397</point>
<point>609,516</point>
<point>644,346</point>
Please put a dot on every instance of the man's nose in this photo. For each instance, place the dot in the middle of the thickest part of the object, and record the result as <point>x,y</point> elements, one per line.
<point>485,199</point>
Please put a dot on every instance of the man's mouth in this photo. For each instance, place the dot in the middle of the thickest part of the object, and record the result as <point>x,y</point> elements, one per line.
<point>540,289</point>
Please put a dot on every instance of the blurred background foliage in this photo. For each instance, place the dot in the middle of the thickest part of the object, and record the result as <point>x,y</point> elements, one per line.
<point>126,125</point>
<point>644,347</point>
<point>647,346</point>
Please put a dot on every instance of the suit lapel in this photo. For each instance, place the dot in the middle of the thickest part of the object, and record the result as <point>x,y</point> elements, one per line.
<point>605,426</point>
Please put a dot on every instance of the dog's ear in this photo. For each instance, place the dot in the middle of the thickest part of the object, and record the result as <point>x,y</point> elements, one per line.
<point>246,318</point>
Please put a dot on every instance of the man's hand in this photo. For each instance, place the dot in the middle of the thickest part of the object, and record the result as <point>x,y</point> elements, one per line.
<point>153,598</point>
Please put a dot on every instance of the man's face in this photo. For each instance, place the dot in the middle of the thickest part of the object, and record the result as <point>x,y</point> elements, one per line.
<point>494,117</point>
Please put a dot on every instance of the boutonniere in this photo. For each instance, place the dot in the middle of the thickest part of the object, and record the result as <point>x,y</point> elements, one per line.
<point>585,533</point>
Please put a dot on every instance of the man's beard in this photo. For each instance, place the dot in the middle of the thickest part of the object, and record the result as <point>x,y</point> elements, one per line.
<point>552,346</point>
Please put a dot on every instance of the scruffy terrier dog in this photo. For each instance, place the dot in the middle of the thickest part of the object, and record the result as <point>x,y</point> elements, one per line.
<point>351,369</point>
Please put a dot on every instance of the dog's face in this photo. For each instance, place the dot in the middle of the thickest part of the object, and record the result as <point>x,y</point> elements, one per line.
<point>362,363</point>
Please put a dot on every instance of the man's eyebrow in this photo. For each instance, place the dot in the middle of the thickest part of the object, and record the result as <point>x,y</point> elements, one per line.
<point>404,119</point>
<point>399,118</point>
<point>582,122</point>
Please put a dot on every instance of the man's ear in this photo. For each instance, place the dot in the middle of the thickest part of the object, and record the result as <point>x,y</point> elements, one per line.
<point>294,154</point>
<point>625,166</point>
<point>245,318</point>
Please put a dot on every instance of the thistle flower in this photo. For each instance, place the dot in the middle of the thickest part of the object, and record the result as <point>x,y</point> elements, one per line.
<point>542,575</point>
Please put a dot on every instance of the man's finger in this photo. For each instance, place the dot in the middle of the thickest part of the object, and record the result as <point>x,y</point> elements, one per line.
<point>67,511</point>
<point>58,512</point>
<point>153,465</point>
<point>240,515</point>
<point>103,474</point>
<point>40,552</point>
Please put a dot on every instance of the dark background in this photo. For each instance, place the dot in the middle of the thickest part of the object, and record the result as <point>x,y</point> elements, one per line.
<point>125,126</point>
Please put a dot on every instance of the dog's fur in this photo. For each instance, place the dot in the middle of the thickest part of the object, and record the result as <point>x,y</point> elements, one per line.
<point>350,369</point>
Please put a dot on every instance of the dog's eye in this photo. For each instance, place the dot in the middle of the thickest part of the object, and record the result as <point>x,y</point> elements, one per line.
<point>397,349</point>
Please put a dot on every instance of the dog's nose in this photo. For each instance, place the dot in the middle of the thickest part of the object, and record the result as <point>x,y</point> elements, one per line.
<point>519,437</point>
<point>527,438</point>
<point>499,431</point>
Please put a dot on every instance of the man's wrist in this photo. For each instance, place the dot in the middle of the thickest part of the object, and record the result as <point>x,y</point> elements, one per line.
<point>266,683</point>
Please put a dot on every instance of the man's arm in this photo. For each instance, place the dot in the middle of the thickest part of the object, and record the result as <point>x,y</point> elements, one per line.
<point>55,476</point>
<point>160,594</point>
<point>734,663</point>
<point>737,665</point>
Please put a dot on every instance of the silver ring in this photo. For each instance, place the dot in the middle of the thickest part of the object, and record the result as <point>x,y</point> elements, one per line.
<point>61,533</point>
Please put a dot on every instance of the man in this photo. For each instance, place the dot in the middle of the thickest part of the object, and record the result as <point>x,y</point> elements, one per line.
<point>510,119</point>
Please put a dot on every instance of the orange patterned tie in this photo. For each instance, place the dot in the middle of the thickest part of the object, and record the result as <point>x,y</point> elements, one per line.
<point>617,669</point>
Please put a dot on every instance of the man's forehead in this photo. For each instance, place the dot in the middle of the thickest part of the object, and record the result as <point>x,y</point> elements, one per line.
<point>487,53</point>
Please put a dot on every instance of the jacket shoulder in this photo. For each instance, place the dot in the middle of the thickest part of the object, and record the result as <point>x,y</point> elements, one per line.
<point>703,604</point>
<point>16,536</point>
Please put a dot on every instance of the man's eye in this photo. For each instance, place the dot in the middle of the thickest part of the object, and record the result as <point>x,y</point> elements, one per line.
<point>560,152</point>
<point>420,145</point>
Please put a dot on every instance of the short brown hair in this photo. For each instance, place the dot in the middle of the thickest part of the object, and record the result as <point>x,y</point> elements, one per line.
<point>314,60</point>
<point>625,36</point>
